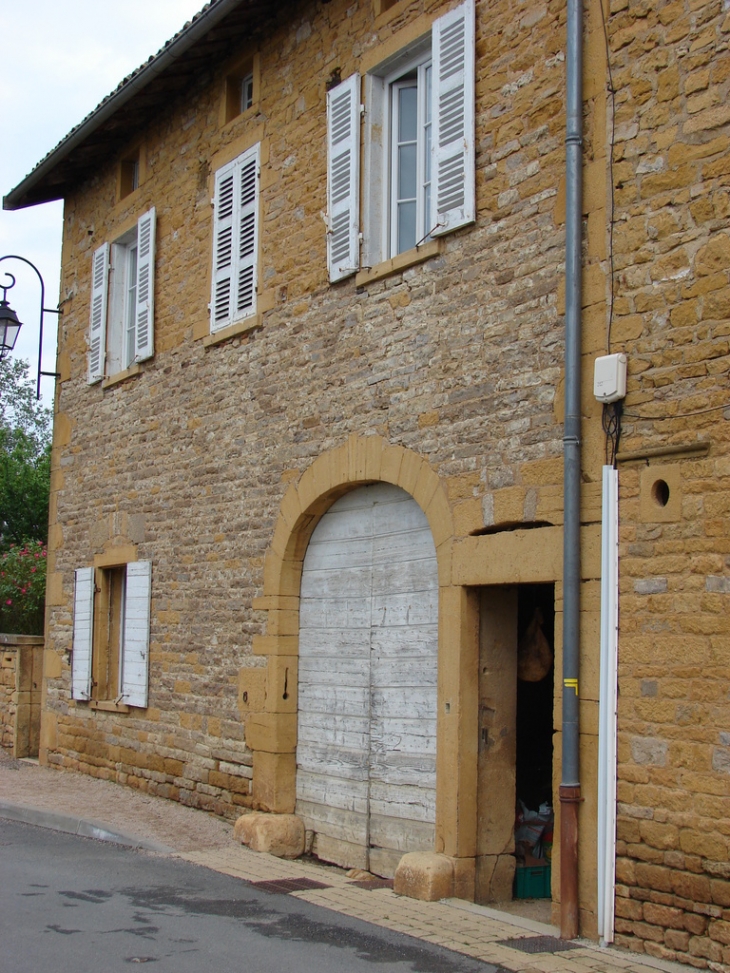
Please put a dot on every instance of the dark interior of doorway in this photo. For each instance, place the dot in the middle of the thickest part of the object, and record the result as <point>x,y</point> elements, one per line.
<point>534,741</point>
<point>534,770</point>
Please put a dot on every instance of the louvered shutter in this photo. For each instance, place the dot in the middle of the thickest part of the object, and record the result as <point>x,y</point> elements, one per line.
<point>83,633</point>
<point>223,268</point>
<point>343,178</point>
<point>453,202</point>
<point>235,240</point>
<point>136,635</point>
<point>144,313</point>
<point>97,327</point>
<point>246,237</point>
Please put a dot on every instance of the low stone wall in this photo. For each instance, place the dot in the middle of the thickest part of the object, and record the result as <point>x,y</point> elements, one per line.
<point>21,675</point>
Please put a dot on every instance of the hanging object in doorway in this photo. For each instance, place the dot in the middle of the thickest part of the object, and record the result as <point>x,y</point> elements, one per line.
<point>534,655</point>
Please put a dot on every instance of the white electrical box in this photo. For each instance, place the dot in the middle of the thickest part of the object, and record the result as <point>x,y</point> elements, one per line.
<point>609,378</point>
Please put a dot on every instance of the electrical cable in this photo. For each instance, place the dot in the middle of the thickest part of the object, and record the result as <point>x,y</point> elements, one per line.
<point>611,422</point>
<point>679,415</point>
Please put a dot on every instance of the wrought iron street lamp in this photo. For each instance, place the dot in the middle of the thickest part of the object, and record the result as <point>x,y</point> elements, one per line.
<point>10,325</point>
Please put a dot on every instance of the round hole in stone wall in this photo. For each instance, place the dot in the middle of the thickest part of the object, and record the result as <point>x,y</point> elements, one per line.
<point>660,492</point>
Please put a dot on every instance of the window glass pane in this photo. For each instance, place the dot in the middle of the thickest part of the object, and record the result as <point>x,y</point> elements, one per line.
<point>246,92</point>
<point>407,172</point>
<point>407,114</point>
<point>131,310</point>
<point>406,226</point>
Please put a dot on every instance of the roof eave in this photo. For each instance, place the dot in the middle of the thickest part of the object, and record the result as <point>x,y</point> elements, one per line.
<point>36,188</point>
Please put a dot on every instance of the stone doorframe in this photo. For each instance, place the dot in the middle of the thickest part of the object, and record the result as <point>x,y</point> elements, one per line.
<point>268,695</point>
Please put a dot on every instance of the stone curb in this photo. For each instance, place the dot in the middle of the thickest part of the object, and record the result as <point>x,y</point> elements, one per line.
<point>78,826</point>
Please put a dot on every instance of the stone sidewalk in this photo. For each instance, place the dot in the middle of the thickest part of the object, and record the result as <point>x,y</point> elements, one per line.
<point>101,809</point>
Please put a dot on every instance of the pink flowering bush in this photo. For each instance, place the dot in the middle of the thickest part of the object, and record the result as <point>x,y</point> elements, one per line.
<point>23,588</point>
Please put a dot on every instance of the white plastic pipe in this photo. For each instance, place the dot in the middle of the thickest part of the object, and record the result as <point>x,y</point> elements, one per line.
<point>608,708</point>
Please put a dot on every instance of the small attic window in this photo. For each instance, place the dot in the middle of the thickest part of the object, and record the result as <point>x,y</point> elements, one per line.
<point>129,174</point>
<point>381,6</point>
<point>241,89</point>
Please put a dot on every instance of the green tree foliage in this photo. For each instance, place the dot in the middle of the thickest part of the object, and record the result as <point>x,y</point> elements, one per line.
<point>25,458</point>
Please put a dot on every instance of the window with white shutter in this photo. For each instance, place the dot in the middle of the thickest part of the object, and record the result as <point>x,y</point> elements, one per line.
<point>122,301</point>
<point>343,178</point>
<point>419,179</point>
<point>111,635</point>
<point>235,240</point>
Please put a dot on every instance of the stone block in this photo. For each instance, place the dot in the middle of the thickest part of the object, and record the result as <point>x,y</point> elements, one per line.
<point>424,875</point>
<point>495,875</point>
<point>281,835</point>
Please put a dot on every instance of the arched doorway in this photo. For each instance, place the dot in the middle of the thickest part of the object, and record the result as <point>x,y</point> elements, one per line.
<point>368,645</point>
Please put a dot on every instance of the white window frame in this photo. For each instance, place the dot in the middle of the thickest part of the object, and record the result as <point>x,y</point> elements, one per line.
<point>236,222</point>
<point>393,84</point>
<point>121,330</point>
<point>247,91</point>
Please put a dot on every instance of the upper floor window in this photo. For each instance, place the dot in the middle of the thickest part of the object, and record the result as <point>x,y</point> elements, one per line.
<point>129,174</point>
<point>418,148</point>
<point>235,240</point>
<point>121,329</point>
<point>241,88</point>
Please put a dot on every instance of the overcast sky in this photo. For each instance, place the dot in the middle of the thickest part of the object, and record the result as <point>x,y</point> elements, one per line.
<point>60,58</point>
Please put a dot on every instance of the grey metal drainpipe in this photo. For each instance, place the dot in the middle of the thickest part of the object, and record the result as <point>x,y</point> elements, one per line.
<point>570,779</point>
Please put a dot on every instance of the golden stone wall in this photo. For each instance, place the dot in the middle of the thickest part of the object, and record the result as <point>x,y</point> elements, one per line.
<point>671,68</point>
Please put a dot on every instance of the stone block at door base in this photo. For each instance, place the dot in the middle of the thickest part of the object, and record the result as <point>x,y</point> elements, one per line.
<point>281,835</point>
<point>495,878</point>
<point>424,875</point>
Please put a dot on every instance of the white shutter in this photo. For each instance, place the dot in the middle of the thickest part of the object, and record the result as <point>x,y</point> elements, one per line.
<point>343,178</point>
<point>246,238</point>
<point>235,240</point>
<point>223,268</point>
<point>83,637</point>
<point>453,199</point>
<point>145,310</point>
<point>97,327</point>
<point>136,634</point>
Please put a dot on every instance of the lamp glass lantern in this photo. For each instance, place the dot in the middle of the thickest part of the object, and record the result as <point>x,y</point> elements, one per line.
<point>9,328</point>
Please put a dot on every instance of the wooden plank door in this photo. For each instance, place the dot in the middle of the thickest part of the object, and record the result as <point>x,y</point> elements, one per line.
<point>368,639</point>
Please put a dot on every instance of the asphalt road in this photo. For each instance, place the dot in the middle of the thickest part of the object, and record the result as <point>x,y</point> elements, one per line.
<point>75,905</point>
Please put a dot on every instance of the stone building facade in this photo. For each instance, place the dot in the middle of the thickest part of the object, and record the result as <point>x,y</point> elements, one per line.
<point>213,452</point>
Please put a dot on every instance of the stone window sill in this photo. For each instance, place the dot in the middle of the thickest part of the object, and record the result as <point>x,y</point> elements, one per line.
<point>108,706</point>
<point>240,327</point>
<point>404,260</point>
<point>121,376</point>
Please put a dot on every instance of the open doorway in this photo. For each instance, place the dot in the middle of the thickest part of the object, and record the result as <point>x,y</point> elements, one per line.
<point>515,764</point>
<point>534,741</point>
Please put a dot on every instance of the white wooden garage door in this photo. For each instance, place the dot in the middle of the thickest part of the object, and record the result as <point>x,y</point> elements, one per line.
<point>366,752</point>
